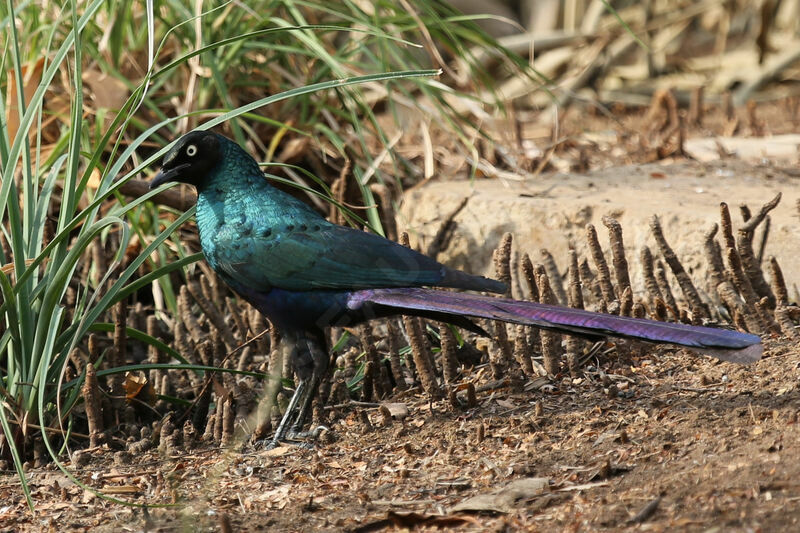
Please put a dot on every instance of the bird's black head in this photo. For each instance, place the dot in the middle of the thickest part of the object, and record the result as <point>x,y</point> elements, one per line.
<point>190,160</point>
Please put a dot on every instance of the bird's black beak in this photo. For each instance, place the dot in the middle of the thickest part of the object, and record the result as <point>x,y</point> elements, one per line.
<point>165,176</point>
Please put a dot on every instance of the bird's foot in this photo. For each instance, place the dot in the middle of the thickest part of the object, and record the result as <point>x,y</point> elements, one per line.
<point>293,437</point>
<point>312,435</point>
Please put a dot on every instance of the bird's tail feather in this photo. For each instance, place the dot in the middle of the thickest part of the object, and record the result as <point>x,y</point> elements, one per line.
<point>721,343</point>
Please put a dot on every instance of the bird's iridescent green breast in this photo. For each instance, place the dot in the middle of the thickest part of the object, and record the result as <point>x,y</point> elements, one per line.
<point>239,214</point>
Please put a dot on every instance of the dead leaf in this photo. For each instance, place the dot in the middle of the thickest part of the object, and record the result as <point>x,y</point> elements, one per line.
<point>50,479</point>
<point>140,388</point>
<point>506,499</point>
<point>107,92</point>
<point>121,489</point>
<point>32,75</point>
<point>293,149</point>
<point>279,451</point>
<point>276,498</point>
<point>399,411</point>
<point>8,269</point>
<point>95,178</point>
<point>506,404</point>
<point>584,486</point>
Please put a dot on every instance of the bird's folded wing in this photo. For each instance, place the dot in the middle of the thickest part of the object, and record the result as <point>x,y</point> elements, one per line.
<point>328,257</point>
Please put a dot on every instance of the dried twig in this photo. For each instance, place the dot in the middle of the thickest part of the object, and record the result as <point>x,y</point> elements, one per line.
<point>554,276</point>
<point>684,281</point>
<point>530,278</point>
<point>238,319</point>
<point>449,359</point>
<point>369,345</point>
<point>212,313</point>
<point>393,338</point>
<point>588,280</point>
<point>228,420</point>
<point>749,260</point>
<point>755,322</point>
<point>574,345</point>
<point>423,359</point>
<point>551,342</point>
<point>501,355</point>
<point>778,282</point>
<point>367,384</point>
<point>94,417</point>
<point>650,283</point>
<point>603,273</point>
<point>618,253</point>
<point>187,318</point>
<point>720,283</point>
<point>522,353</point>
<point>666,290</point>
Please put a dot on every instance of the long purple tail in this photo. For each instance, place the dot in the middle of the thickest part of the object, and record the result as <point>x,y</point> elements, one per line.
<point>720,343</point>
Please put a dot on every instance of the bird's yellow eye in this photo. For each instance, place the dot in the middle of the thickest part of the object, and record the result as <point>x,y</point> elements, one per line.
<point>191,150</point>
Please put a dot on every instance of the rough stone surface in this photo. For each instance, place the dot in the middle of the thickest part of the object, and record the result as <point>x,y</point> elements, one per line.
<point>552,212</point>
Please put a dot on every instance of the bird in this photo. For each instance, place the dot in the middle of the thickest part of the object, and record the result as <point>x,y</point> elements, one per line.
<point>305,274</point>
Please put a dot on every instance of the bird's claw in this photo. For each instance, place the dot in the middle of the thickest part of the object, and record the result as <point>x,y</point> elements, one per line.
<point>311,435</point>
<point>301,439</point>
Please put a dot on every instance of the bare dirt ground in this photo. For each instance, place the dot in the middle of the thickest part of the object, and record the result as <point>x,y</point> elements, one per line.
<point>658,440</point>
<point>663,441</point>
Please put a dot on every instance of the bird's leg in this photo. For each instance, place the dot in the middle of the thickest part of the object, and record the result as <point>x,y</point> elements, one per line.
<point>283,427</point>
<point>305,407</point>
<point>309,358</point>
<point>314,351</point>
